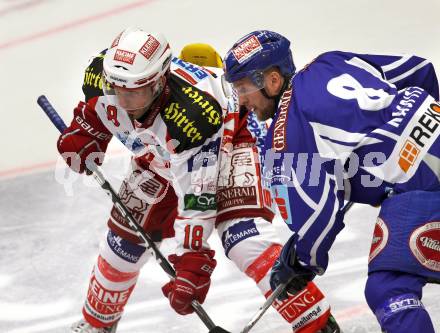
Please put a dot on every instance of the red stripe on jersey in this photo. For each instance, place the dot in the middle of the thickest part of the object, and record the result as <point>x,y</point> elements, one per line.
<point>186,76</point>
<point>112,274</point>
<point>259,268</point>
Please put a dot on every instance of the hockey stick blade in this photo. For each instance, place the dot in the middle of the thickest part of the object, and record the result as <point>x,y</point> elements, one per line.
<point>54,117</point>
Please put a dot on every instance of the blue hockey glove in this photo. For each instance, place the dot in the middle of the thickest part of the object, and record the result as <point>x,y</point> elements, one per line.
<point>287,268</point>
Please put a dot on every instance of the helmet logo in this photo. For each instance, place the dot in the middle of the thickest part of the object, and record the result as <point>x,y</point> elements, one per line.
<point>150,47</point>
<point>116,41</point>
<point>246,49</point>
<point>114,78</point>
<point>124,56</point>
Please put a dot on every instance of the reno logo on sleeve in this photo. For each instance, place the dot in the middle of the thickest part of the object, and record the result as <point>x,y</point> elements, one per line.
<point>246,49</point>
<point>424,128</point>
<point>238,232</point>
<point>380,239</point>
<point>424,243</point>
<point>125,56</point>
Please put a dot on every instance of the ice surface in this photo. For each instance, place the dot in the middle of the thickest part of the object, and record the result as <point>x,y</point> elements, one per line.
<point>49,242</point>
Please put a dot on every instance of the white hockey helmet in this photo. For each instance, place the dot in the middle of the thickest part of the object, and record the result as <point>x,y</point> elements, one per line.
<point>137,58</point>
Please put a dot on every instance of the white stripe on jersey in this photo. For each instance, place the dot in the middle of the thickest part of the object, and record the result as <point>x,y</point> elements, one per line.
<point>357,62</point>
<point>311,220</point>
<point>330,149</point>
<point>411,71</point>
<point>307,200</point>
<point>433,162</point>
<point>397,63</point>
<point>388,134</point>
<point>327,228</point>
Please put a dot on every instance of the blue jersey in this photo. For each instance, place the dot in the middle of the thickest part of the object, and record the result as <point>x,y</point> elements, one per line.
<point>350,126</point>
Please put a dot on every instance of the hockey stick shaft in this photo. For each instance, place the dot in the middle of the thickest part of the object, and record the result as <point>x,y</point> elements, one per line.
<point>54,117</point>
<point>262,310</point>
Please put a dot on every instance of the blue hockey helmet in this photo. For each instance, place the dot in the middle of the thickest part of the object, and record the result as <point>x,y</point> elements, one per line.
<point>256,52</point>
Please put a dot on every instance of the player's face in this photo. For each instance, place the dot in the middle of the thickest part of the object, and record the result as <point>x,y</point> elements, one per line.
<point>250,96</point>
<point>135,101</point>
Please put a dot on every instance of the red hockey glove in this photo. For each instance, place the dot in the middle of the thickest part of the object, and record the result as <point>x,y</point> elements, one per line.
<point>85,135</point>
<point>193,278</point>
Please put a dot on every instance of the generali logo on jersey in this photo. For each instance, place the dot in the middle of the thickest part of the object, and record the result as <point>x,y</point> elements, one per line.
<point>380,238</point>
<point>279,132</point>
<point>124,56</point>
<point>150,47</point>
<point>424,243</point>
<point>246,49</point>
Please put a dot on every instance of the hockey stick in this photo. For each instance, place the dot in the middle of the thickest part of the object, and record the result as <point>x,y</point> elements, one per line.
<point>54,117</point>
<point>277,292</point>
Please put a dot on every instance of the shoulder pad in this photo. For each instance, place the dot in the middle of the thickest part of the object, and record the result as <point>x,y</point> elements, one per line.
<point>191,115</point>
<point>92,85</point>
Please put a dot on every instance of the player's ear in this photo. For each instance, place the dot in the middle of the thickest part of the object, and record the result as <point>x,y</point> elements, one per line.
<point>273,81</point>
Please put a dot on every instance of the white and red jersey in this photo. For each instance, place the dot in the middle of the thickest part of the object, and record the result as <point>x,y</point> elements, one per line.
<point>239,191</point>
<point>179,137</point>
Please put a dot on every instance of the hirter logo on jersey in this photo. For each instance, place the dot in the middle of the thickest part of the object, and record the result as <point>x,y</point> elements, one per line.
<point>125,56</point>
<point>150,47</point>
<point>380,239</point>
<point>246,49</point>
<point>424,243</point>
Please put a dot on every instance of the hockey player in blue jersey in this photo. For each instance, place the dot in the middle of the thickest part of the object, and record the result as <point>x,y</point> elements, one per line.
<point>356,127</point>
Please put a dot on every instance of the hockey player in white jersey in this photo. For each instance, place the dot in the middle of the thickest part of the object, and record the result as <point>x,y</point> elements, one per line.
<point>359,127</point>
<point>169,113</point>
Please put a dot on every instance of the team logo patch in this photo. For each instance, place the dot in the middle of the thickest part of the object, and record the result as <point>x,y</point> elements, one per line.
<point>380,239</point>
<point>124,56</point>
<point>150,47</point>
<point>424,243</point>
<point>237,233</point>
<point>246,49</point>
